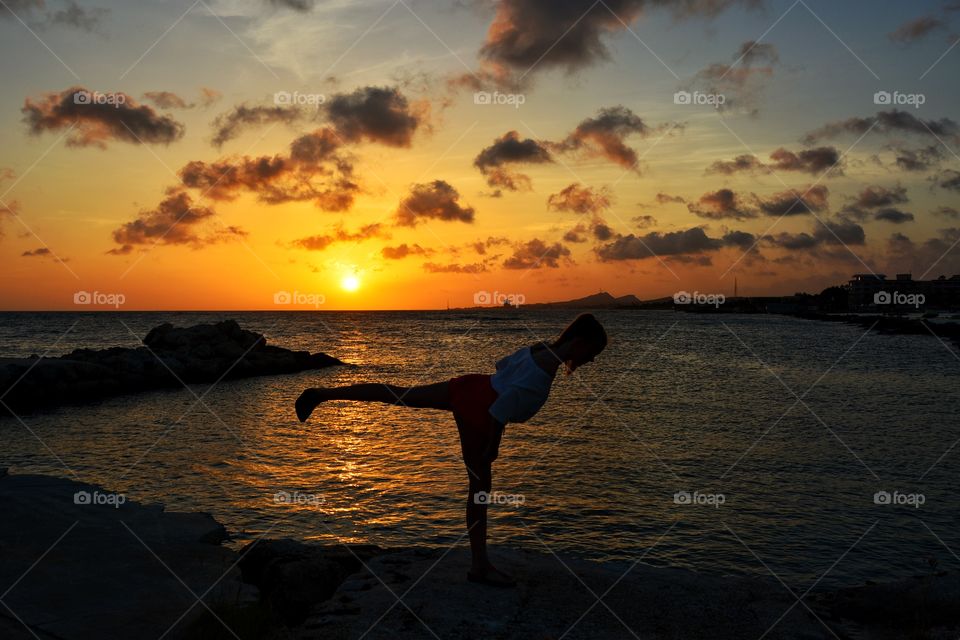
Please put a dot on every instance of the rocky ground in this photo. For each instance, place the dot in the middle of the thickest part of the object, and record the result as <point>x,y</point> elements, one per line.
<point>170,357</point>
<point>78,569</point>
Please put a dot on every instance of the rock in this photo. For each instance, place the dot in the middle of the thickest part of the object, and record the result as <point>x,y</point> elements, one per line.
<point>171,356</point>
<point>83,563</point>
<point>293,576</point>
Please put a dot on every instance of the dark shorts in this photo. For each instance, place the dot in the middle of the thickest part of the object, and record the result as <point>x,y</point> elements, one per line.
<point>470,398</point>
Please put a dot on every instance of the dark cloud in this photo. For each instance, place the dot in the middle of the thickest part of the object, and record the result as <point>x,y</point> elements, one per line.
<point>916,29</point>
<point>873,197</point>
<point>920,159</point>
<point>231,124</point>
<point>644,222</point>
<point>887,122</point>
<point>481,246</point>
<point>175,221</point>
<point>666,198</point>
<point>671,243</point>
<point>297,5</point>
<point>402,251</point>
<point>721,204</point>
<point>73,15</point>
<point>534,35</point>
<point>432,267</point>
<point>580,199</point>
<point>946,212</point>
<point>742,239</point>
<point>604,136</point>
<point>316,169</point>
<point>510,149</point>
<point>812,161</point>
<point>949,179</point>
<point>896,216</point>
<point>321,242</point>
<point>741,82</point>
<point>96,121</point>
<point>436,200</point>
<point>166,100</point>
<point>577,234</point>
<point>39,252</point>
<point>794,202</point>
<point>376,114</point>
<point>536,254</point>
<point>827,233</point>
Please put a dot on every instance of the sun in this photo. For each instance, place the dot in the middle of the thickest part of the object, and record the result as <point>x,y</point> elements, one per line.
<point>350,283</point>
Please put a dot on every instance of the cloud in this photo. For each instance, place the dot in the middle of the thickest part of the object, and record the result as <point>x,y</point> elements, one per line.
<point>812,161</point>
<point>321,242</point>
<point>231,124</point>
<point>746,163</point>
<point>721,204</point>
<point>166,100</point>
<point>896,216</point>
<point>666,198</point>
<point>576,234</point>
<point>316,169</point>
<point>828,232</point>
<point>918,159</point>
<point>39,252</point>
<point>376,114</point>
<point>73,15</point>
<point>95,121</point>
<point>604,136</point>
<point>740,83</point>
<point>536,254</point>
<point>528,36</point>
<point>579,199</point>
<point>887,122</point>
<point>175,221</point>
<point>949,179</point>
<point>644,222</point>
<point>946,212</point>
<point>436,200</point>
<point>209,96</point>
<point>302,6</point>
<point>691,241</point>
<point>793,202</point>
<point>873,197</point>
<point>510,149</point>
<point>432,267</point>
<point>916,29</point>
<point>402,251</point>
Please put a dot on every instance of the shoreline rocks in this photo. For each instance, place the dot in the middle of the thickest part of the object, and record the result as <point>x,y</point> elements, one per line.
<point>203,353</point>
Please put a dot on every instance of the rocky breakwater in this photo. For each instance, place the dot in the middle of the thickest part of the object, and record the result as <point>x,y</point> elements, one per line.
<point>170,357</point>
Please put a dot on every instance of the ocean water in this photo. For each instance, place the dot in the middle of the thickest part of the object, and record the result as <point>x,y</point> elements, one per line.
<point>782,431</point>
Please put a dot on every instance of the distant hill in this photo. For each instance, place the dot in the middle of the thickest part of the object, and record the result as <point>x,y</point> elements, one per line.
<point>602,300</point>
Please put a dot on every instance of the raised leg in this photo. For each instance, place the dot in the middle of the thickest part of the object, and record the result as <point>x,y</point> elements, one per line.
<point>431,396</point>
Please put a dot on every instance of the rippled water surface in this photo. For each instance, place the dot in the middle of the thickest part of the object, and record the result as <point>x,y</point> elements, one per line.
<point>796,424</point>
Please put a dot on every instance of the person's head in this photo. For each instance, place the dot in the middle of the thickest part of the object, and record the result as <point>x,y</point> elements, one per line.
<point>581,341</point>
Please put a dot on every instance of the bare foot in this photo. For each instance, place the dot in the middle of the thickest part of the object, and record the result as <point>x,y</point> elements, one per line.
<point>490,576</point>
<point>307,402</point>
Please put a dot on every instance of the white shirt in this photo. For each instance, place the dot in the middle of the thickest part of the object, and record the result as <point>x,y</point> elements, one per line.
<point>522,387</point>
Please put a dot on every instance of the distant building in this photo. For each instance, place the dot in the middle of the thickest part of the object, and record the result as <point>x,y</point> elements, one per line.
<point>873,292</point>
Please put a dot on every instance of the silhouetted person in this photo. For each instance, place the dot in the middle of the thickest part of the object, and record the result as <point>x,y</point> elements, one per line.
<point>482,405</point>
